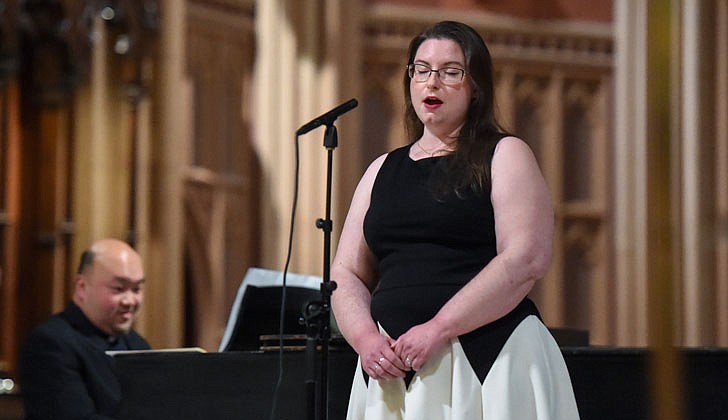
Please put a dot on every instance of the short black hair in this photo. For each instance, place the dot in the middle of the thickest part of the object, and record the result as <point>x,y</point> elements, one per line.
<point>87,260</point>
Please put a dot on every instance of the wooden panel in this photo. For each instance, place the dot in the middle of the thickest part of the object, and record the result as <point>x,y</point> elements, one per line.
<point>10,182</point>
<point>221,198</point>
<point>721,157</point>
<point>43,250</point>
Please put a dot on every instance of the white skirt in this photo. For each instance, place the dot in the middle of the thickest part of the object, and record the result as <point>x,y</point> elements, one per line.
<point>528,381</point>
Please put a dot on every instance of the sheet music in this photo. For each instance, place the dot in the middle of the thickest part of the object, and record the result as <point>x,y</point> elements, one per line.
<point>261,277</point>
<point>168,350</point>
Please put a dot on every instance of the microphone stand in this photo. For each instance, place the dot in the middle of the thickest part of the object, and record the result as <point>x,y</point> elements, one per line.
<point>317,315</point>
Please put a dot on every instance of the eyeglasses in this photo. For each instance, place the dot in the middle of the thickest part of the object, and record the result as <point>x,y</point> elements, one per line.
<point>448,75</point>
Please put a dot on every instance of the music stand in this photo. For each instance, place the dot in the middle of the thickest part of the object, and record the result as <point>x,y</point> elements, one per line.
<point>256,309</point>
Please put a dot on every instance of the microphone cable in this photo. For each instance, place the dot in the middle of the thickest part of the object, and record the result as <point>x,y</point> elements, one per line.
<point>279,381</point>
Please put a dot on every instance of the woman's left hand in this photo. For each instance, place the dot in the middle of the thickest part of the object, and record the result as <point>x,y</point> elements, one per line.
<point>418,344</point>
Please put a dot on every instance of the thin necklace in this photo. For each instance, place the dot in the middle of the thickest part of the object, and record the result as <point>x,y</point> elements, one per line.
<point>431,154</point>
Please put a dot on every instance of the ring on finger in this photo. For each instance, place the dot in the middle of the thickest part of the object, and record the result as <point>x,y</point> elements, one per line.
<point>381,359</point>
<point>407,361</point>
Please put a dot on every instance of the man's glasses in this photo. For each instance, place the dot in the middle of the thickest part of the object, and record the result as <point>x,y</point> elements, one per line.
<point>448,75</point>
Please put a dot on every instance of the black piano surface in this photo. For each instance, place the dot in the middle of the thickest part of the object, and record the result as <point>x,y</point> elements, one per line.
<point>229,385</point>
<point>609,383</point>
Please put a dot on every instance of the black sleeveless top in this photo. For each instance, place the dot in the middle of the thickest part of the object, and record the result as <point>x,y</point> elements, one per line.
<point>428,247</point>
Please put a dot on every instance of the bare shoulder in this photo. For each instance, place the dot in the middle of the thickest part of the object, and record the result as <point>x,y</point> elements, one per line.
<point>371,173</point>
<point>511,144</point>
<point>376,164</point>
<point>513,160</point>
<point>513,150</point>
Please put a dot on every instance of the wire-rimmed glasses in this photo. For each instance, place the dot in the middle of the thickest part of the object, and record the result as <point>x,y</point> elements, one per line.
<point>448,75</point>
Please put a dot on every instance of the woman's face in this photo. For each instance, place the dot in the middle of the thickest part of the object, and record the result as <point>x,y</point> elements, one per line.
<point>442,107</point>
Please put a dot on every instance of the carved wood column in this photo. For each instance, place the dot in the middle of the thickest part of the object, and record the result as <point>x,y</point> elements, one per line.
<point>303,69</point>
<point>663,29</point>
<point>697,125</point>
<point>222,195</point>
<point>162,319</point>
<point>630,149</point>
<point>276,120</point>
<point>52,60</point>
<point>10,149</point>
<point>721,173</point>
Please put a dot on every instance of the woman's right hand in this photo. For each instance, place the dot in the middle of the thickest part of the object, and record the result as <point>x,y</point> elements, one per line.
<point>379,360</point>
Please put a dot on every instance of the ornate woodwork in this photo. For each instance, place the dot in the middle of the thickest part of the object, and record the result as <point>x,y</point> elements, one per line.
<point>46,50</point>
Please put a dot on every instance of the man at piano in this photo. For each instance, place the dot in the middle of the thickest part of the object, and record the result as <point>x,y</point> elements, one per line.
<point>65,371</point>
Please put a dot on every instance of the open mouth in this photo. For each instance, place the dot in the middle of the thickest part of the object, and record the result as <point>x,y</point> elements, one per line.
<point>126,315</point>
<point>432,100</point>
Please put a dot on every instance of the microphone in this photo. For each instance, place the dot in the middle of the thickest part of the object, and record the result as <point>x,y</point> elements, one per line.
<point>329,117</point>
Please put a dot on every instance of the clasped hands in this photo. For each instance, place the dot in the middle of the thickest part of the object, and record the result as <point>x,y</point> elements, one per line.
<point>385,358</point>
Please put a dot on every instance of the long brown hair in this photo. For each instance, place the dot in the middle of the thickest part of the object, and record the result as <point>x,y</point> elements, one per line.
<point>469,166</point>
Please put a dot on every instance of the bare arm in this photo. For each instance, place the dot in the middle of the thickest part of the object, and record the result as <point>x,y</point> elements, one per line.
<point>354,270</point>
<point>524,228</point>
